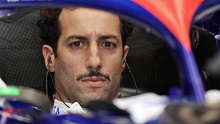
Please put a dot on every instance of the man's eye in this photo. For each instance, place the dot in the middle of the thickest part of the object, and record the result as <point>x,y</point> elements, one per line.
<point>108,44</point>
<point>77,44</point>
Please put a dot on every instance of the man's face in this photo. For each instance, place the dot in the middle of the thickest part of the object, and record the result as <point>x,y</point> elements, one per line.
<point>89,58</point>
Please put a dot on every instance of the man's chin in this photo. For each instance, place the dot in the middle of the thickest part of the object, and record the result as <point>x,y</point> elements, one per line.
<point>91,97</point>
<point>95,96</point>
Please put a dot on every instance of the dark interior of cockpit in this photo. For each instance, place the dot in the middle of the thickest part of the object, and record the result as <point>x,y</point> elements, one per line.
<point>151,62</point>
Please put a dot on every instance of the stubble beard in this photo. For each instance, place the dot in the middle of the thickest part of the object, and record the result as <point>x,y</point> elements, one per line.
<point>108,93</point>
<point>72,92</point>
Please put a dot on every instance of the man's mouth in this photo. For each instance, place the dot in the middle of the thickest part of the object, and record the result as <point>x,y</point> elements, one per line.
<point>94,81</point>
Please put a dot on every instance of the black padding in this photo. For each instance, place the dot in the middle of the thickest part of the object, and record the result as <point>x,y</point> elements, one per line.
<point>152,64</point>
<point>21,59</point>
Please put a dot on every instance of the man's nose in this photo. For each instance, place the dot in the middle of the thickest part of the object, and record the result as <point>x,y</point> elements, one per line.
<point>94,60</point>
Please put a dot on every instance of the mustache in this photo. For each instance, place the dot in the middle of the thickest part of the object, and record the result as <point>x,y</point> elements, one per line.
<point>93,72</point>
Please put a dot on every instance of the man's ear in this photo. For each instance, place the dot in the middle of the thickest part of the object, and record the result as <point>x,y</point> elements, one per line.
<point>48,57</point>
<point>126,48</point>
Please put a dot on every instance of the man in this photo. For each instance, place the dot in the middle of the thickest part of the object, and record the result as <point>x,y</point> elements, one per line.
<point>85,48</point>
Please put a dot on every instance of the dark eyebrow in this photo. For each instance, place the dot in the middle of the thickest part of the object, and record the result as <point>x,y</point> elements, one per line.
<point>102,37</point>
<point>109,37</point>
<point>76,37</point>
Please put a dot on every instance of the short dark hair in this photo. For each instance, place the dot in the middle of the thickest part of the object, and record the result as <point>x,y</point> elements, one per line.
<point>50,27</point>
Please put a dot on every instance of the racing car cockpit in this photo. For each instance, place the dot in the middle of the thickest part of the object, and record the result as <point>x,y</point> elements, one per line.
<point>172,70</point>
